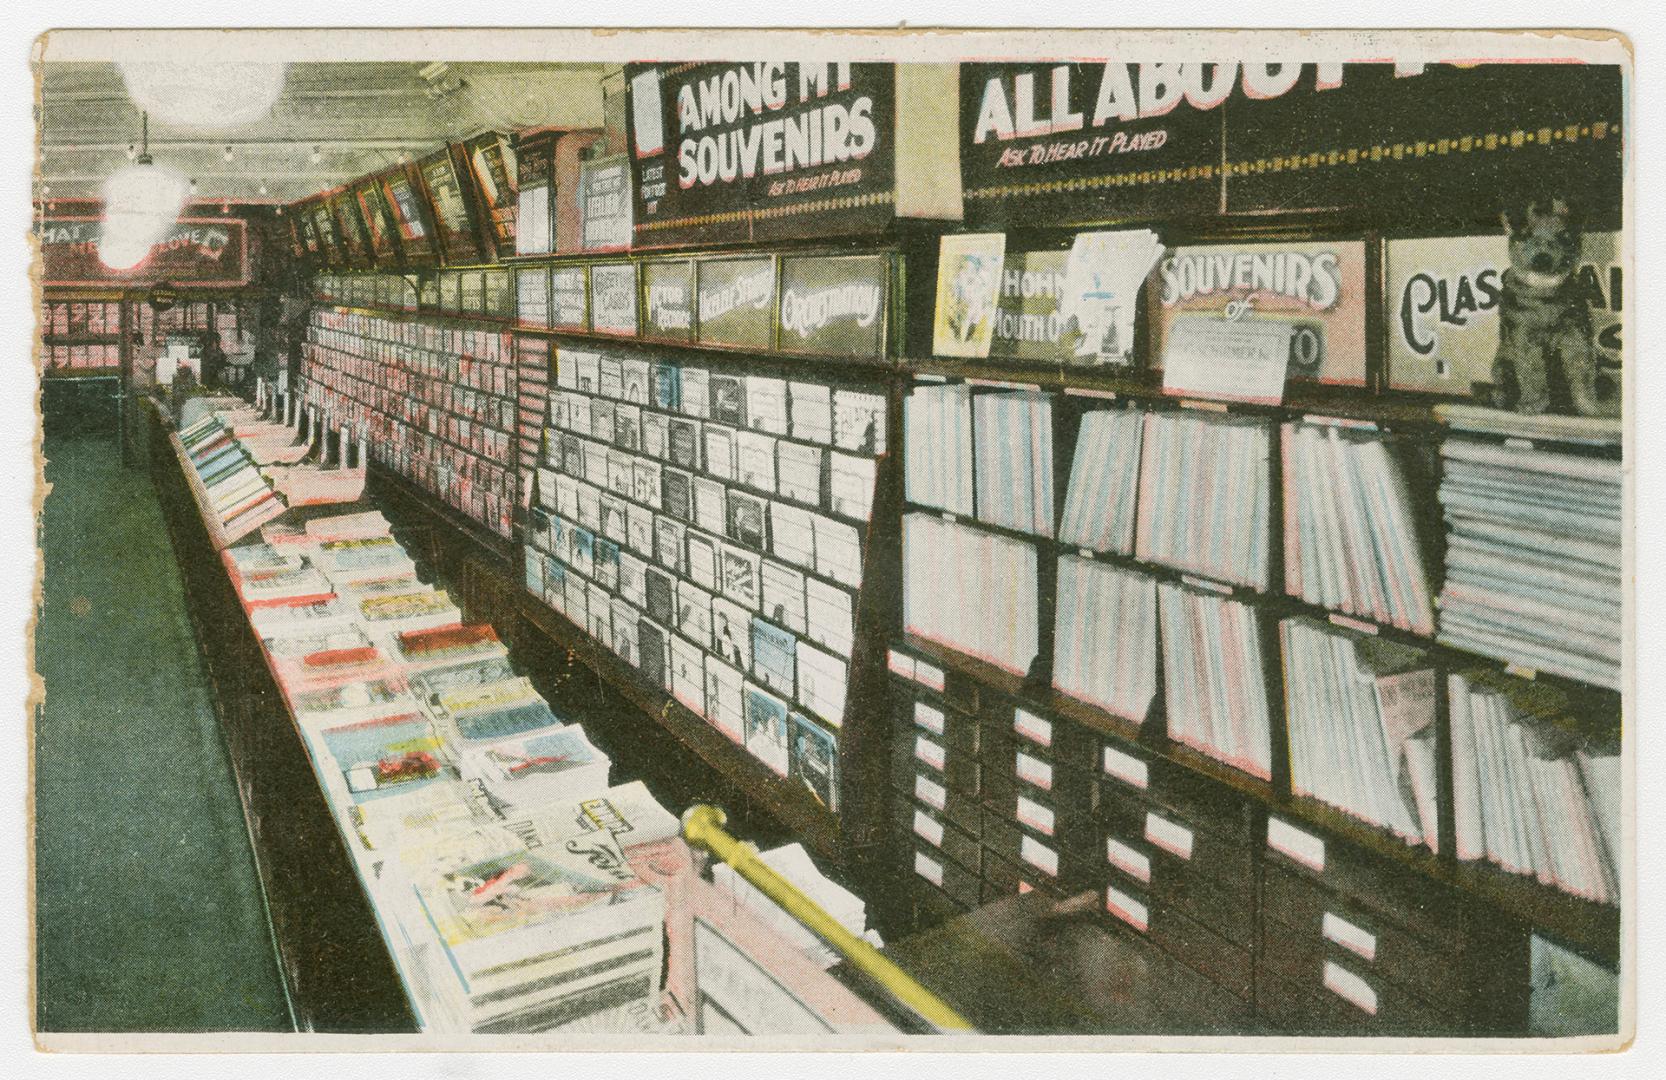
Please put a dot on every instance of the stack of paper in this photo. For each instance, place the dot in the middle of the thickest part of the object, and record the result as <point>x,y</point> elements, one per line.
<point>1105,637</point>
<point>937,447</point>
<point>971,590</point>
<point>794,863</point>
<point>238,494</point>
<point>1214,688</point>
<point>1203,503</point>
<point>1013,437</point>
<point>1099,504</point>
<point>1350,541</point>
<point>1533,573</point>
<point>1527,794</point>
<point>536,767</point>
<point>1361,715</point>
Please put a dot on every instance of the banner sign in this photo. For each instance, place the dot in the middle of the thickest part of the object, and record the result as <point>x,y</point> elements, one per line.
<point>1093,141</point>
<point>569,298</point>
<point>760,151</point>
<point>613,298</point>
<point>1443,296</point>
<point>834,305</point>
<point>1315,288</point>
<point>193,252</point>
<point>495,174</point>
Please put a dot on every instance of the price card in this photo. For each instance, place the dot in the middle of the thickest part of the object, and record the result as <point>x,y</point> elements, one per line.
<point>930,718</point>
<point>1035,771</point>
<point>930,792</point>
<point>1127,768</point>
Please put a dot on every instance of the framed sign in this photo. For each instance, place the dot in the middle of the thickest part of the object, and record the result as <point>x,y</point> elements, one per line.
<point>453,222</point>
<point>736,298</point>
<point>492,163</point>
<point>760,151</point>
<point>834,306</point>
<point>668,304</point>
<point>532,296</point>
<point>604,200</point>
<point>613,298</point>
<point>451,302</point>
<point>1028,322</point>
<point>378,221</point>
<point>410,216</point>
<point>194,251</point>
<point>570,297</point>
<point>329,243</point>
<point>1315,288</point>
<point>1443,294</point>
<point>344,209</point>
<point>535,194</point>
<point>500,294</point>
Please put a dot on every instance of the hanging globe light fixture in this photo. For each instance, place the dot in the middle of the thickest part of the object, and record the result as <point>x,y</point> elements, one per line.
<point>212,95</point>
<point>140,202</point>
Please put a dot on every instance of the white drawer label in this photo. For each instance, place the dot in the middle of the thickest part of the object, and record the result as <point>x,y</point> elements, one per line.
<point>1039,855</point>
<point>929,717</point>
<point>1350,987</point>
<point>1133,863</point>
<point>930,676</point>
<point>1305,848</point>
<point>928,829</point>
<point>1127,768</point>
<point>1126,908</point>
<point>930,792</point>
<point>1035,771</point>
<point>900,663</point>
<point>929,752</point>
<point>1036,816</point>
<point>928,868</point>
<point>1346,934</point>
<point>1032,727</point>
<point>1175,839</point>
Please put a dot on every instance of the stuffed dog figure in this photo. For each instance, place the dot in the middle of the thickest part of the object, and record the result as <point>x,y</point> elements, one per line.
<point>1544,322</point>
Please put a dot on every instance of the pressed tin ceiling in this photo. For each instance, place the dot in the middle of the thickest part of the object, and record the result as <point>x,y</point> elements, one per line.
<point>332,123</point>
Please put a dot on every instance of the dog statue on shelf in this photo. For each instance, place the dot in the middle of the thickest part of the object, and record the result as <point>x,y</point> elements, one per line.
<point>1544,321</point>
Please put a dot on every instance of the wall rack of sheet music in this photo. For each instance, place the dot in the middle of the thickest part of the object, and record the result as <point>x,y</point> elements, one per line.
<point>438,402</point>
<point>1132,566</point>
<point>711,521</point>
<point>482,293</point>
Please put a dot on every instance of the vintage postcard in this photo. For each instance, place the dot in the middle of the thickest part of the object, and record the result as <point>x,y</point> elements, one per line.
<point>1014,540</point>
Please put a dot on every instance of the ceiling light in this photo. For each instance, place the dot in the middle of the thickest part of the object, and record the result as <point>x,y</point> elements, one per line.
<point>212,95</point>
<point>132,151</point>
<point>316,156</point>
<point>228,153</point>
<point>263,188</point>
<point>193,188</point>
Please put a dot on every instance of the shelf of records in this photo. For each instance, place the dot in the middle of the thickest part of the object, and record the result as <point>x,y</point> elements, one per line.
<point>1266,322</point>
<point>710,529</point>
<point>439,403</point>
<point>1000,788</point>
<point>827,304</point>
<point>1146,600</point>
<point>519,885</point>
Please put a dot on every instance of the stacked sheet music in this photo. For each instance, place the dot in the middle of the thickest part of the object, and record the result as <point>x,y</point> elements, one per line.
<point>937,447</point>
<point>970,589</point>
<point>1529,795</point>
<point>520,892</point>
<point>1533,572</point>
<point>1099,504</point>
<point>1204,504</point>
<point>1105,637</point>
<point>1350,541</point>
<point>1214,687</point>
<point>794,863</point>
<point>1013,438</point>
<point>237,493</point>
<point>1361,715</point>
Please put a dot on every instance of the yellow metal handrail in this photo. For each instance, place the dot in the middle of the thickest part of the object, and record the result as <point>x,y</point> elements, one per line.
<point>703,827</point>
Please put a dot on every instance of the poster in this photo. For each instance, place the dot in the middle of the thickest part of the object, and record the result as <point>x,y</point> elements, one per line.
<point>760,151</point>
<point>1442,295</point>
<point>968,286</point>
<point>451,213</point>
<point>668,291</point>
<point>1317,288</point>
<point>535,195</point>
<point>1028,325</point>
<point>604,198</point>
<point>414,234</point>
<point>1103,278</point>
<point>373,208</point>
<point>495,173</point>
<point>569,298</point>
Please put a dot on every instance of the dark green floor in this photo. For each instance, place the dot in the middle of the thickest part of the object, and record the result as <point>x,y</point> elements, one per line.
<point>149,915</point>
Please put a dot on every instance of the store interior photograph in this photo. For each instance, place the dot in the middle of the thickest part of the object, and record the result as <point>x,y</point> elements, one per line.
<point>842,549</point>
